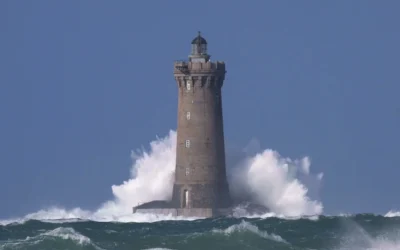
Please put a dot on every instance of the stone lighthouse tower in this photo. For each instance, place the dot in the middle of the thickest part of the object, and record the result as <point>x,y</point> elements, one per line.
<point>200,185</point>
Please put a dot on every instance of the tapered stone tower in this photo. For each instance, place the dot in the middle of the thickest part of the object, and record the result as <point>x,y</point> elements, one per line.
<point>200,187</point>
<point>200,174</point>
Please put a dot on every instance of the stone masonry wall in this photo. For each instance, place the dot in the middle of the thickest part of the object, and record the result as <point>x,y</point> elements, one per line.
<point>200,161</point>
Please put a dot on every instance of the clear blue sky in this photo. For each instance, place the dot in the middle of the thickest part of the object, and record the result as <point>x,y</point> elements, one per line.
<point>82,83</point>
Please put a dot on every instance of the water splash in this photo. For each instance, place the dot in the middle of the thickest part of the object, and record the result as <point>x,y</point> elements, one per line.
<point>273,181</point>
<point>265,177</point>
<point>355,237</point>
<point>392,213</point>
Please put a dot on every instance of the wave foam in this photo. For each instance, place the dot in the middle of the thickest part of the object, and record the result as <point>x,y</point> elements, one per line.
<point>274,182</point>
<point>65,233</point>
<point>245,226</point>
<point>373,244</point>
<point>68,233</point>
<point>392,213</point>
<point>355,237</point>
<point>282,184</point>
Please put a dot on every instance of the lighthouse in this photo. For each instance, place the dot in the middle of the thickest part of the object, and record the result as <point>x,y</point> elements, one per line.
<point>200,185</point>
<point>200,172</point>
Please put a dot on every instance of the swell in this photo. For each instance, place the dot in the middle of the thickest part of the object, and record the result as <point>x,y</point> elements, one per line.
<point>168,234</point>
<point>57,238</point>
<point>363,231</point>
<point>267,217</point>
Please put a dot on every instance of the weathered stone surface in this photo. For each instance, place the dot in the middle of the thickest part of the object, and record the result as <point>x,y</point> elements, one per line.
<point>200,176</point>
<point>200,153</point>
<point>187,212</point>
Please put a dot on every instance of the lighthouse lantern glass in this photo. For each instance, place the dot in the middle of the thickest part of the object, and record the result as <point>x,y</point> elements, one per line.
<point>199,49</point>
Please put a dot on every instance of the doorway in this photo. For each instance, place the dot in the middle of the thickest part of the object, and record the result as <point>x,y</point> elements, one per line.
<point>185,198</point>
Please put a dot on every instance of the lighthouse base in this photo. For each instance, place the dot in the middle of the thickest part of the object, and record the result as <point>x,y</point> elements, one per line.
<point>186,212</point>
<point>165,208</point>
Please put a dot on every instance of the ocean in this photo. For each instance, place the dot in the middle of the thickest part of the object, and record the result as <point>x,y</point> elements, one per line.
<point>288,187</point>
<point>361,231</point>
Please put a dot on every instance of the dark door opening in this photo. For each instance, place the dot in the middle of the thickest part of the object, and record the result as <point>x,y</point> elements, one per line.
<point>185,198</point>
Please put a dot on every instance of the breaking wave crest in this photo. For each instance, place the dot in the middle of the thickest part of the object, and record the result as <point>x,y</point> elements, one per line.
<point>284,185</point>
<point>353,232</point>
<point>392,213</point>
<point>354,236</point>
<point>61,237</point>
<point>245,226</point>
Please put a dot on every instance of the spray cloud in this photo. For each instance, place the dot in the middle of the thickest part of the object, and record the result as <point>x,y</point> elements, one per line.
<point>263,176</point>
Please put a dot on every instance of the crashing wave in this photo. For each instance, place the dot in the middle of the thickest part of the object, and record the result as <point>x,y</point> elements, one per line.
<point>283,185</point>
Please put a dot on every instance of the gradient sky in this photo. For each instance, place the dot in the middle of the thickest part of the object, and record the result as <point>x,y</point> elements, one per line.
<point>82,83</point>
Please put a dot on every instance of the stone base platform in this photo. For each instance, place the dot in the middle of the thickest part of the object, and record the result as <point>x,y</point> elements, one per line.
<point>166,208</point>
<point>186,212</point>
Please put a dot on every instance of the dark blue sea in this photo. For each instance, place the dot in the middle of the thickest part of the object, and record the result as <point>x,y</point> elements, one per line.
<point>363,231</point>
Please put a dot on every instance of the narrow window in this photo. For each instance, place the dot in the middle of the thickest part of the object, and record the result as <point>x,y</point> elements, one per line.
<point>188,85</point>
<point>188,115</point>
<point>187,143</point>
<point>187,172</point>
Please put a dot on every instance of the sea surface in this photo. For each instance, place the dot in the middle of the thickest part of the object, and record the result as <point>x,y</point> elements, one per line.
<point>363,231</point>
